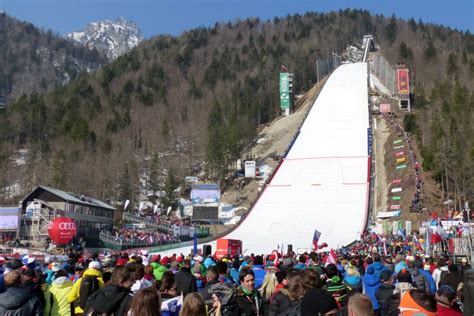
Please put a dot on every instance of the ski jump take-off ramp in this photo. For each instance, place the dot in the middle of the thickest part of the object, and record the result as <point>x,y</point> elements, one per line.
<point>323,182</point>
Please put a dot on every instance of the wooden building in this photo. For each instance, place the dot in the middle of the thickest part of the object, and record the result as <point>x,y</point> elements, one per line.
<point>44,204</point>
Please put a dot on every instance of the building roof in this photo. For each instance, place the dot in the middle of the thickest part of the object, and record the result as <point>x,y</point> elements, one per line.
<point>206,186</point>
<point>74,198</point>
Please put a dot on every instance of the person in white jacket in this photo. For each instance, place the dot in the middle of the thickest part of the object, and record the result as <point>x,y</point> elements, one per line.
<point>441,267</point>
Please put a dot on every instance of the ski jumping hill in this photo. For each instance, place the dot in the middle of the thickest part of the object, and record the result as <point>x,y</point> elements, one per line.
<point>323,182</point>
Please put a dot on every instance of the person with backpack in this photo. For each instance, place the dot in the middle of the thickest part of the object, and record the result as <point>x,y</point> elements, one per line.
<point>440,271</point>
<point>90,282</point>
<point>115,298</point>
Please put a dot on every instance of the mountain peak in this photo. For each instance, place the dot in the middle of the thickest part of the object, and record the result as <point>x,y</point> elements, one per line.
<point>114,38</point>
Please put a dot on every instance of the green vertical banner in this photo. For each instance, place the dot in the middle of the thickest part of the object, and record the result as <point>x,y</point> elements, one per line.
<point>284,90</point>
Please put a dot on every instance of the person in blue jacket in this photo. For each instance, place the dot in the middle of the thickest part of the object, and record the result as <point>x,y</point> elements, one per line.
<point>377,265</point>
<point>259,271</point>
<point>371,283</point>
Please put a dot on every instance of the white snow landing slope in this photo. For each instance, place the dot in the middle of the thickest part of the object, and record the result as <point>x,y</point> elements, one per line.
<point>323,182</point>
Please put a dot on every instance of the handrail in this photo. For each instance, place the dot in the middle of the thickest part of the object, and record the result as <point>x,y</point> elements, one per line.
<point>146,221</point>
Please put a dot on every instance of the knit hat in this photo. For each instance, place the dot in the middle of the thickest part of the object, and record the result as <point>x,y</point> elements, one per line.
<point>94,265</point>
<point>164,261</point>
<point>317,301</point>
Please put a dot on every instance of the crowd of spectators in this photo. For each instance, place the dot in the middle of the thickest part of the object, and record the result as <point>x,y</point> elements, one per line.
<point>376,276</point>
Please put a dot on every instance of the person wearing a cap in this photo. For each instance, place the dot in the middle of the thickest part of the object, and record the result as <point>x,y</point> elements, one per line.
<point>464,266</point>
<point>428,276</point>
<point>17,300</point>
<point>371,283</point>
<point>92,271</point>
<point>404,282</point>
<point>445,305</point>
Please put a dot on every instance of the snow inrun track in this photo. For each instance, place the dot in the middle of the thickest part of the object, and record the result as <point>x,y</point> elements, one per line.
<point>323,182</point>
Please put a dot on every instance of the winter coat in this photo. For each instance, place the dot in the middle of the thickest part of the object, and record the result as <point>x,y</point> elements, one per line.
<point>430,280</point>
<point>110,299</point>
<point>437,274</point>
<point>56,298</point>
<point>279,302</point>
<point>206,295</point>
<point>419,280</point>
<point>371,284</point>
<point>259,272</point>
<point>20,302</point>
<point>249,305</point>
<point>452,279</point>
<point>185,281</point>
<point>74,294</point>
<point>378,268</point>
<point>384,296</point>
<point>338,290</point>
<point>300,266</point>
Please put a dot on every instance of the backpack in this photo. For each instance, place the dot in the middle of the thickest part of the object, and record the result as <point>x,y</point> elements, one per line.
<point>89,285</point>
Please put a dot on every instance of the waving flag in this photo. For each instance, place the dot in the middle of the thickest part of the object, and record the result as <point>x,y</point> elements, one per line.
<point>316,236</point>
<point>438,234</point>
<point>417,243</point>
<point>331,257</point>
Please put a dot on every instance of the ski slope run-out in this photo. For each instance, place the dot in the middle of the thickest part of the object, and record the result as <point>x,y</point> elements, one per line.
<point>323,183</point>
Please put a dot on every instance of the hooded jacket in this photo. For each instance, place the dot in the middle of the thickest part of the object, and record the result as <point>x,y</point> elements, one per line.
<point>430,280</point>
<point>419,280</point>
<point>371,284</point>
<point>20,302</point>
<point>57,295</point>
<point>110,299</point>
<point>378,268</point>
<point>74,294</point>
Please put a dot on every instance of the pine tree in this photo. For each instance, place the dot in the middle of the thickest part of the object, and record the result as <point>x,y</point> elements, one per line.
<point>170,198</point>
<point>58,171</point>
<point>124,185</point>
<point>153,174</point>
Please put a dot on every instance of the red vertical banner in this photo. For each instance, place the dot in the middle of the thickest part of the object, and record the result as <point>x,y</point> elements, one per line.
<point>403,81</point>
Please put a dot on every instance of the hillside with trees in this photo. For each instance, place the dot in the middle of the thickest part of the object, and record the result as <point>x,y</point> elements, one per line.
<point>34,60</point>
<point>176,106</point>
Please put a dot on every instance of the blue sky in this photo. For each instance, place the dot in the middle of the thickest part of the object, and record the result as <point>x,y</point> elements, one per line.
<point>174,16</point>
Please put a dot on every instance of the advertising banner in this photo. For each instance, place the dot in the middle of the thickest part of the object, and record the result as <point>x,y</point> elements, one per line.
<point>284,91</point>
<point>403,81</point>
<point>250,169</point>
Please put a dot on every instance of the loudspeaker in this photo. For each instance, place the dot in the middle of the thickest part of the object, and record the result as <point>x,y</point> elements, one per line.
<point>290,248</point>
<point>207,250</point>
<point>468,292</point>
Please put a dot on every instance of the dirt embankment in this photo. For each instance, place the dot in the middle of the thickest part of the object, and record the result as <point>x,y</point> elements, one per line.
<point>392,144</point>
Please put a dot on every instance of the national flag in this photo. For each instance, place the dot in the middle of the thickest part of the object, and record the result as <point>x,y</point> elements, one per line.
<point>401,233</point>
<point>316,236</point>
<point>331,257</point>
<point>171,307</point>
<point>417,243</point>
<point>323,245</point>
<point>438,234</point>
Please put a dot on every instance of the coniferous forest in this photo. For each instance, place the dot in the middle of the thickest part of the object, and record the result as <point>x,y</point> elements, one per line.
<point>173,103</point>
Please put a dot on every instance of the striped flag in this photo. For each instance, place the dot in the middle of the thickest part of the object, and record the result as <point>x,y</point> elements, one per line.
<point>331,257</point>
<point>316,236</point>
<point>417,243</point>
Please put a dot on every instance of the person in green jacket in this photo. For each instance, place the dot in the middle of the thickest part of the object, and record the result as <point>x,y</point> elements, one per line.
<point>56,296</point>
